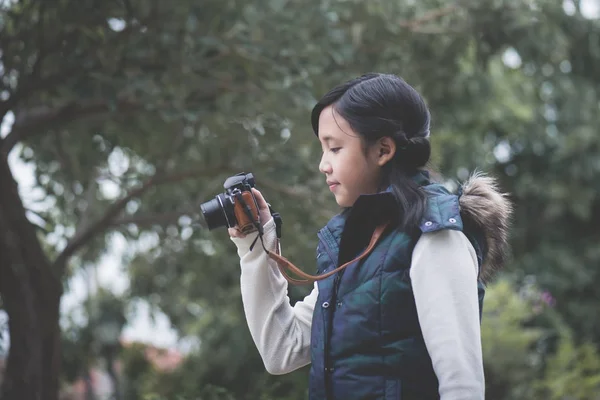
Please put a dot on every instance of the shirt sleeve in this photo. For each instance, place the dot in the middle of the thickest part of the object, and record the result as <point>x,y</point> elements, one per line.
<point>444,274</point>
<point>280,332</point>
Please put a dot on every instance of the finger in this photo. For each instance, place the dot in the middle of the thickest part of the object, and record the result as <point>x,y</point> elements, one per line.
<point>260,200</point>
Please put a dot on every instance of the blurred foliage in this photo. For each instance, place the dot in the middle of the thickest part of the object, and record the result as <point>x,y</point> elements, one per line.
<point>509,345</point>
<point>572,373</point>
<point>136,113</point>
<point>518,325</point>
<point>85,345</point>
<point>138,370</point>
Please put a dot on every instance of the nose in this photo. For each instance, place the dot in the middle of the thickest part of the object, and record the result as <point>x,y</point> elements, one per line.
<point>324,166</point>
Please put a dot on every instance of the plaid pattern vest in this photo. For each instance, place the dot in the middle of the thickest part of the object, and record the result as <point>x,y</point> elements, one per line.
<point>366,339</point>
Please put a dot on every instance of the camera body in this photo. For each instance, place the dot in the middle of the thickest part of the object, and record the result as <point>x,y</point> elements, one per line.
<point>236,206</point>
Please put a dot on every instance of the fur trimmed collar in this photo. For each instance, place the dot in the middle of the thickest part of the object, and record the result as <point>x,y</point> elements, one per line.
<point>486,207</point>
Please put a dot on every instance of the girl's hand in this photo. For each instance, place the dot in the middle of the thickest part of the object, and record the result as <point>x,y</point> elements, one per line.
<point>263,212</point>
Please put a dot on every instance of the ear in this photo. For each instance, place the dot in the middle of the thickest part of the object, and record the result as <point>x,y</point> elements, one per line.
<point>386,149</point>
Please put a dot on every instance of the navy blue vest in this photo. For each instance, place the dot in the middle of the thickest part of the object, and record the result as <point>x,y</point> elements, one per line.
<point>366,339</point>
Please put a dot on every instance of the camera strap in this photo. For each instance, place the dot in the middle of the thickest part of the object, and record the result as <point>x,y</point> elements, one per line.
<point>278,220</point>
<point>257,224</point>
<point>285,266</point>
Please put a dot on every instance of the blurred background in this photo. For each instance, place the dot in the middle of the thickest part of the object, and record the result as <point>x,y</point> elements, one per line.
<point>119,117</point>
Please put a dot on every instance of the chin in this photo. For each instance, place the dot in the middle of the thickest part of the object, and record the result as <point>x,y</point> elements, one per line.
<point>343,203</point>
<point>343,200</point>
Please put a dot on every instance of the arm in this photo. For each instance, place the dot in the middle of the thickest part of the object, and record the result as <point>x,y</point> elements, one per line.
<point>281,332</point>
<point>444,277</point>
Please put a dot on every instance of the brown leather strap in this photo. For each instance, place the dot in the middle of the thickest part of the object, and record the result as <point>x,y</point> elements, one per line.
<point>285,266</point>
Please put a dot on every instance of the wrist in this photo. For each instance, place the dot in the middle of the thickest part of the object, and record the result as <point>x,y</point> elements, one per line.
<point>266,221</point>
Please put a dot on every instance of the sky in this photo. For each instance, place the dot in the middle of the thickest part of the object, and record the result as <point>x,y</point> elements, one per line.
<point>110,271</point>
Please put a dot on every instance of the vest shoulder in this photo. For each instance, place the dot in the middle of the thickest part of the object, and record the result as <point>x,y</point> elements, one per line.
<point>442,210</point>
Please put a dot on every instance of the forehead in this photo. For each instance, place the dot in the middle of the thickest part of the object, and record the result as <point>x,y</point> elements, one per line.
<point>332,126</point>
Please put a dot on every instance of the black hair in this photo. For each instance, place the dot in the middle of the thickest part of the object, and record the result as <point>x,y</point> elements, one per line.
<point>380,105</point>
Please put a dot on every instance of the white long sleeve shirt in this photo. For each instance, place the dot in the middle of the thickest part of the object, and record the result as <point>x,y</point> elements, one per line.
<point>444,280</point>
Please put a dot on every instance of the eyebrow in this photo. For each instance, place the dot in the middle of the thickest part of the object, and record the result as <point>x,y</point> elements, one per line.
<point>327,138</point>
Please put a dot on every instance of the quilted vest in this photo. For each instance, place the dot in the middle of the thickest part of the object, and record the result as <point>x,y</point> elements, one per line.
<point>366,338</point>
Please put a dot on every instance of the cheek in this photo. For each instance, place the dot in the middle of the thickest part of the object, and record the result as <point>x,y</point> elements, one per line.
<point>362,165</point>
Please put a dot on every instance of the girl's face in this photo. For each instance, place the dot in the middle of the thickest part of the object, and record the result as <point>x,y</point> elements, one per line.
<point>349,170</point>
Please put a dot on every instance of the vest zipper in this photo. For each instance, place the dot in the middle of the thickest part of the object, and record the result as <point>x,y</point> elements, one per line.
<point>325,237</point>
<point>333,306</point>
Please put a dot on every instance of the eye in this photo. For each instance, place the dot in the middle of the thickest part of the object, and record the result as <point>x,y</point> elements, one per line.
<point>335,150</point>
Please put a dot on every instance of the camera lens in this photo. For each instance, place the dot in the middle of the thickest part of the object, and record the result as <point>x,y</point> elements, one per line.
<point>213,214</point>
<point>218,212</point>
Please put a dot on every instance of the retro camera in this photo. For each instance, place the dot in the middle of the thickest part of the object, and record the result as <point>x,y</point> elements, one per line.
<point>237,206</point>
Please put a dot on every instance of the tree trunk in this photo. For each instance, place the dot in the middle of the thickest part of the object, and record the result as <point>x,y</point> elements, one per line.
<point>31,294</point>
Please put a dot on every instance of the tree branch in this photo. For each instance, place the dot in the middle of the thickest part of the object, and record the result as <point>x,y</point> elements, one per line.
<point>37,66</point>
<point>431,15</point>
<point>99,226</point>
<point>149,219</point>
<point>34,81</point>
<point>28,123</point>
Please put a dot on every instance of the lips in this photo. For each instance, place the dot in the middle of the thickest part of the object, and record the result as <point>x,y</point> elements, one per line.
<point>332,184</point>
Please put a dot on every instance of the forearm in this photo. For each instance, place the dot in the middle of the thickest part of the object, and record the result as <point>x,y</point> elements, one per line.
<point>281,332</point>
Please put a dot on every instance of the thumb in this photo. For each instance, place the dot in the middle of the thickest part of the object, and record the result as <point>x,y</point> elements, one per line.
<point>260,200</point>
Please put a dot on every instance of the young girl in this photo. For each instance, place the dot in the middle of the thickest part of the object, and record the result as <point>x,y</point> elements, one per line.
<point>402,322</point>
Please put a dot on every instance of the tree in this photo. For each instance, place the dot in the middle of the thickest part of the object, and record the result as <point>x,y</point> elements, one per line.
<point>135,113</point>
<point>136,80</point>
